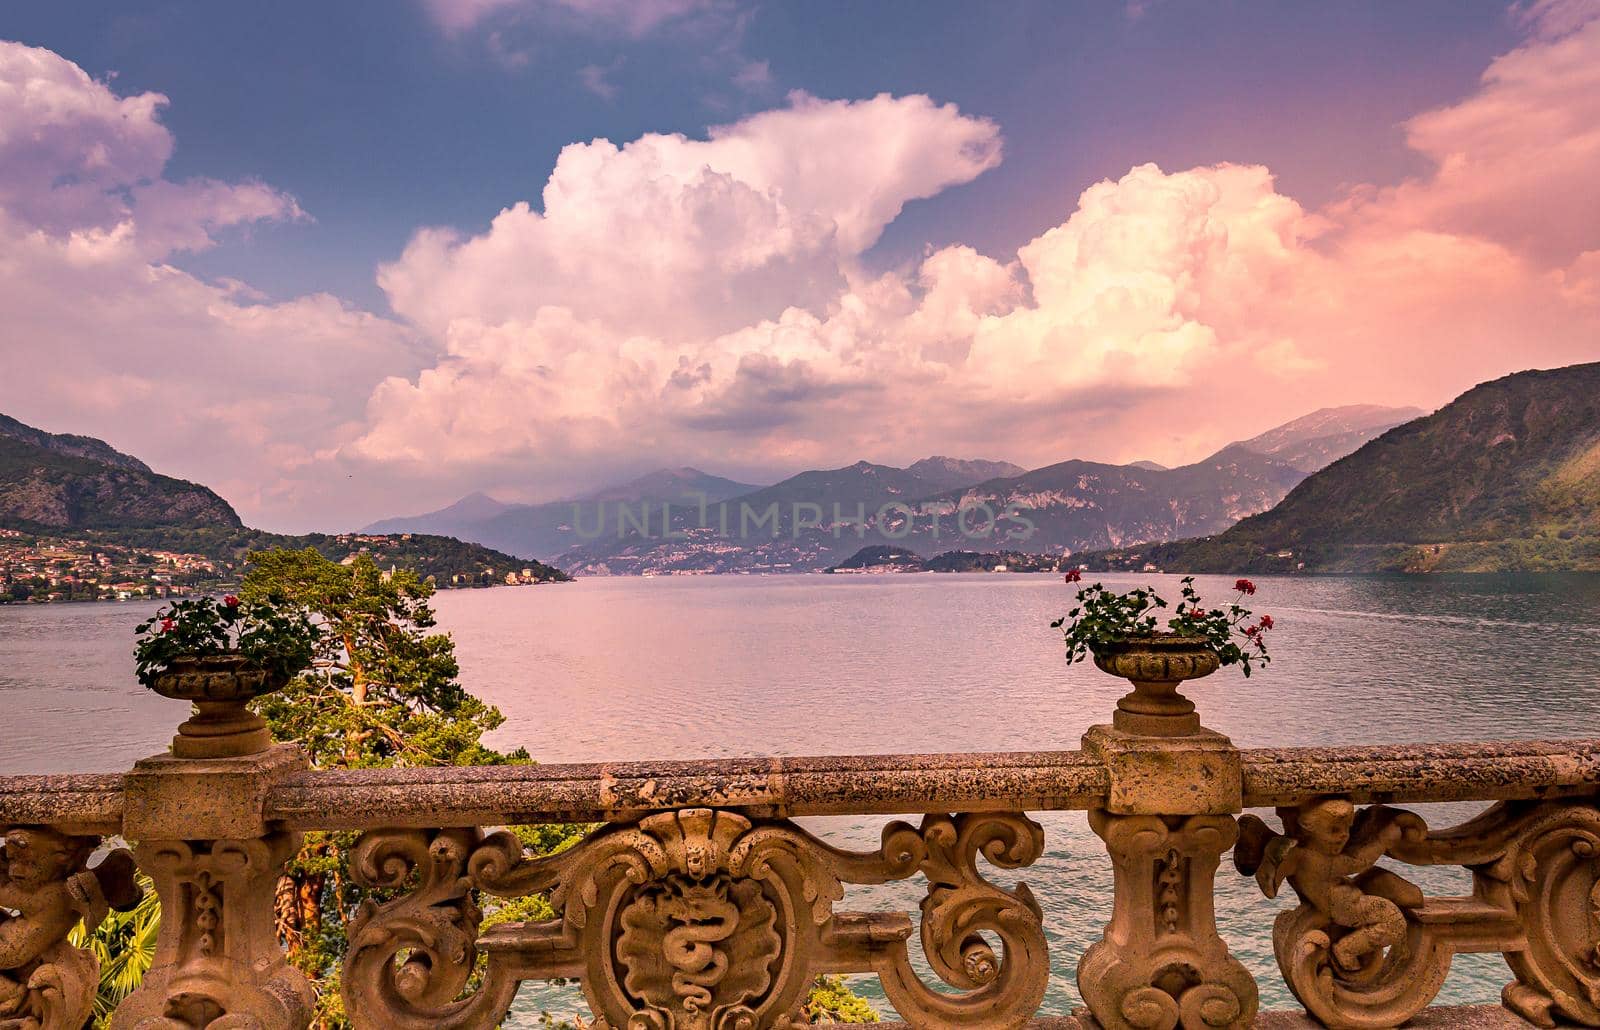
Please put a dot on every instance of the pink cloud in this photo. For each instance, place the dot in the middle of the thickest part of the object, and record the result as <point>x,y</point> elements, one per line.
<point>1168,313</point>
<point>706,300</point>
<point>203,380</point>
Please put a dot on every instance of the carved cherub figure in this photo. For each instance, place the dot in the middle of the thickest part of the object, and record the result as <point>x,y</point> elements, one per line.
<point>43,880</point>
<point>1328,853</point>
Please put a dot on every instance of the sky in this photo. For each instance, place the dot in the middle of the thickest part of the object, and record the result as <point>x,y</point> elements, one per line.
<point>346,261</point>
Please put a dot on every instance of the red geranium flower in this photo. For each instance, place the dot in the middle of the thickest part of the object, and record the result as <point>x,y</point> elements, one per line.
<point>1244,586</point>
<point>1074,575</point>
<point>167,625</point>
<point>232,600</point>
<point>1266,622</point>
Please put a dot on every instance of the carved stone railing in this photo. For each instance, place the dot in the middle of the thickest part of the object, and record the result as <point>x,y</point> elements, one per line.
<point>699,903</point>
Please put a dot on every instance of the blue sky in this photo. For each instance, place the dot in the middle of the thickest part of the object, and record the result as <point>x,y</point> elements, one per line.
<point>378,120</point>
<point>344,260</point>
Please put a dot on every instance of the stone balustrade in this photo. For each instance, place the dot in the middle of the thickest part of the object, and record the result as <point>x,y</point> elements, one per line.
<point>699,904</point>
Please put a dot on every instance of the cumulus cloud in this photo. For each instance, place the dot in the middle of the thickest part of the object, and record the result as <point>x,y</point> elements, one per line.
<point>687,238</point>
<point>680,299</point>
<point>713,299</point>
<point>79,158</point>
<point>204,380</point>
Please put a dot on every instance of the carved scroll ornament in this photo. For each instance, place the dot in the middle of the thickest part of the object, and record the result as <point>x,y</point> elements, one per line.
<point>45,883</point>
<point>1366,949</point>
<point>696,919</point>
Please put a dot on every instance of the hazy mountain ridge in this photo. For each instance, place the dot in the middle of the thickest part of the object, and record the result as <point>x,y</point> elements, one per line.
<point>551,528</point>
<point>1079,505</point>
<point>1062,508</point>
<point>1317,440</point>
<point>1505,477</point>
<point>685,483</point>
<point>818,518</point>
<point>948,473</point>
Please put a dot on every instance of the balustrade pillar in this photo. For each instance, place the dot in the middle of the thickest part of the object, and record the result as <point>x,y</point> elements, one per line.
<point>1174,787</point>
<point>202,835</point>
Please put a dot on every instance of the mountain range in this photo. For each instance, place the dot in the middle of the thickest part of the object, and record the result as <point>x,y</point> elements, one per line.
<point>1505,477</point>
<point>684,520</point>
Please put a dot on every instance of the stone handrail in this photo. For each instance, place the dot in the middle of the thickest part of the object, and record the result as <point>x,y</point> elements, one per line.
<point>698,903</point>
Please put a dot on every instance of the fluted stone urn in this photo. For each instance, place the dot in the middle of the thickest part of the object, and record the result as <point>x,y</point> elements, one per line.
<point>1157,665</point>
<point>220,686</point>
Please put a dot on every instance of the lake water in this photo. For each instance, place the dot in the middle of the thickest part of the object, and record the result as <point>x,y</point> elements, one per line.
<point>608,669</point>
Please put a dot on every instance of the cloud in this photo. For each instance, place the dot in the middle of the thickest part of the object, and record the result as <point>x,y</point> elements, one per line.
<point>79,158</point>
<point>715,300</point>
<point>204,380</point>
<point>596,79</point>
<point>706,300</point>
<point>688,238</point>
<point>1516,161</point>
<point>753,76</point>
<point>634,18</point>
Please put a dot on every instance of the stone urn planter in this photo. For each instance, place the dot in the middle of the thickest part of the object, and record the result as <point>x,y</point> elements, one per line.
<point>1157,665</point>
<point>220,686</point>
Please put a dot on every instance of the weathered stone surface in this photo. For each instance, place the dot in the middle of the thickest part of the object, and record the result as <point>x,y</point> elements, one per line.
<point>88,804</point>
<point>699,904</point>
<point>217,956</point>
<point>1189,775</point>
<point>881,784</point>
<point>1444,1017</point>
<point>1387,774</point>
<point>699,919</point>
<point>1366,949</point>
<point>763,788</point>
<point>170,798</point>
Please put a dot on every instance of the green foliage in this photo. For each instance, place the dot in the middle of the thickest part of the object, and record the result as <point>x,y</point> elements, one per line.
<point>832,1001</point>
<point>270,635</point>
<point>381,690</point>
<point>125,944</point>
<point>1104,617</point>
<point>438,557</point>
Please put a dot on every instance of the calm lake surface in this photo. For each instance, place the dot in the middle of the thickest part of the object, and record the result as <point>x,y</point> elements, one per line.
<point>608,669</point>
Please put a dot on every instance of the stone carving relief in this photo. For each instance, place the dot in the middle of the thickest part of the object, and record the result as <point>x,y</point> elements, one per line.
<point>696,919</point>
<point>1549,875</point>
<point>1366,949</point>
<point>218,961</point>
<point>1161,963</point>
<point>46,889</point>
<point>411,958</point>
<point>1352,952</point>
<point>959,910</point>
